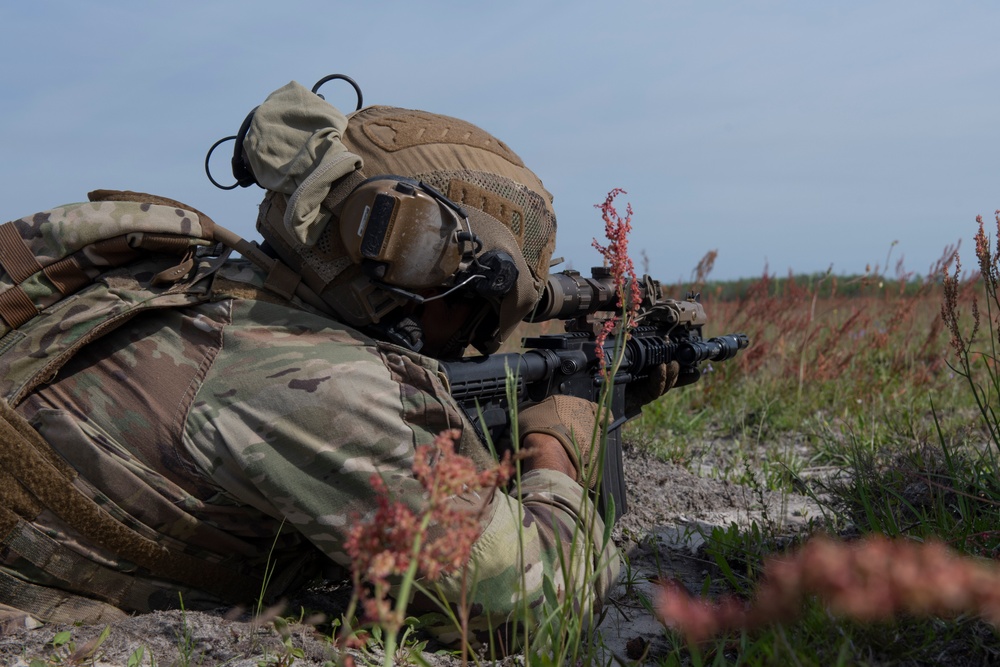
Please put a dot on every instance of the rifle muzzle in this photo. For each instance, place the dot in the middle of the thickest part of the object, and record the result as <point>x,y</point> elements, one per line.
<point>720,348</point>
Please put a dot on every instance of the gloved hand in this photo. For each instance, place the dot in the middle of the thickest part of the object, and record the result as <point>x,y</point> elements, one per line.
<point>570,420</point>
<point>661,379</point>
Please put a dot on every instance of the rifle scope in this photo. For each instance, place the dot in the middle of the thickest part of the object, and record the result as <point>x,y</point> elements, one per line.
<point>569,295</point>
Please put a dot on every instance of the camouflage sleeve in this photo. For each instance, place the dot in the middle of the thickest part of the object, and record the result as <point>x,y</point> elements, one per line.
<point>544,535</point>
<point>294,416</point>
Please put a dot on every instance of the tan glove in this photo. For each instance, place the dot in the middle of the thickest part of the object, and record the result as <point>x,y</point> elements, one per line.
<point>571,421</point>
<point>660,380</point>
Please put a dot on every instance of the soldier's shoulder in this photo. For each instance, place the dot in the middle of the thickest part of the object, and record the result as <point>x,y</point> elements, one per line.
<point>242,281</point>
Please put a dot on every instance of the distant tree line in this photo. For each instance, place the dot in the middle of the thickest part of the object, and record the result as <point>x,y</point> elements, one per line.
<point>823,285</point>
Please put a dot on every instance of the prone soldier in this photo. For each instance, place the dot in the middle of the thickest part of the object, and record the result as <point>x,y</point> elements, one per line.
<point>179,422</point>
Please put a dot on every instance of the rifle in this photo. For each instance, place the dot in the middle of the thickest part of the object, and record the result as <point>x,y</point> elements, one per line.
<point>568,363</point>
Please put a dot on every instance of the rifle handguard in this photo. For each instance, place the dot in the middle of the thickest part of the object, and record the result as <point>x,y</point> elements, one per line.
<point>571,421</point>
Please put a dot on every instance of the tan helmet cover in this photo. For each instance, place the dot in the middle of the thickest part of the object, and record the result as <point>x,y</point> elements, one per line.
<point>293,147</point>
<point>508,208</point>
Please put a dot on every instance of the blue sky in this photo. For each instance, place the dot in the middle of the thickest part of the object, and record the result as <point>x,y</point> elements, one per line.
<point>785,135</point>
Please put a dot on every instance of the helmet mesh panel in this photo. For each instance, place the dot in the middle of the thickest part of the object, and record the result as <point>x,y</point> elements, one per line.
<point>538,226</point>
<point>323,245</point>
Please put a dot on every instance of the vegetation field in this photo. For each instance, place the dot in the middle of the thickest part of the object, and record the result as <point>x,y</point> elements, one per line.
<point>873,397</point>
<point>878,397</point>
<point>826,366</point>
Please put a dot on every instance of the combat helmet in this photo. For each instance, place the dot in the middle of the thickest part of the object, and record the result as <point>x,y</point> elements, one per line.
<point>390,206</point>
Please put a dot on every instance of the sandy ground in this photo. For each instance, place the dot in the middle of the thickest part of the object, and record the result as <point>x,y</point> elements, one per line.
<point>669,510</point>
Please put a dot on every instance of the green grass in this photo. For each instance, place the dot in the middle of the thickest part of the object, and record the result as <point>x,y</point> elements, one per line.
<point>814,379</point>
<point>873,385</point>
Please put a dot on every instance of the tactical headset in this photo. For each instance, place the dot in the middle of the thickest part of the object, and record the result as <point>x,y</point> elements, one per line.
<point>408,236</point>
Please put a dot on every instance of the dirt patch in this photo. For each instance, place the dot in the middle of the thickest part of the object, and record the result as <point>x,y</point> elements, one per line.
<point>670,509</point>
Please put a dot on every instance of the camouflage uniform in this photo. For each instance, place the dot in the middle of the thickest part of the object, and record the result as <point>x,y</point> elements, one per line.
<point>236,430</point>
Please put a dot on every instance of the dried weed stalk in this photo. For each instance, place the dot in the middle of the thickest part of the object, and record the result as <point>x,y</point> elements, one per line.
<point>976,352</point>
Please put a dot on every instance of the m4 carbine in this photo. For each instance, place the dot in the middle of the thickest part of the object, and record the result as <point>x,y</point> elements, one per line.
<point>568,363</point>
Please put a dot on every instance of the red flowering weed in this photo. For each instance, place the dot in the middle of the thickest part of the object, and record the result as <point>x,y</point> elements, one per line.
<point>386,545</point>
<point>868,580</point>
<point>616,257</point>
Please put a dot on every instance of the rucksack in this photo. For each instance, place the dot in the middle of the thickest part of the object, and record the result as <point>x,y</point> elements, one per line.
<point>62,284</point>
<point>67,277</point>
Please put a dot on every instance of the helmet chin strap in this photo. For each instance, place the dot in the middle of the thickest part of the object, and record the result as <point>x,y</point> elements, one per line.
<point>455,346</point>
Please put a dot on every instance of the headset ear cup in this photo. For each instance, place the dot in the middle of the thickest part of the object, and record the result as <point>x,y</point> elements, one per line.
<point>499,273</point>
<point>403,234</point>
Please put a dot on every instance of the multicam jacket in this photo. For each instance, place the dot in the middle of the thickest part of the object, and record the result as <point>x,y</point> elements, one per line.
<point>236,431</point>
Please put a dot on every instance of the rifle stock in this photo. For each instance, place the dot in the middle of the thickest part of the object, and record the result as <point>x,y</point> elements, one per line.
<point>568,363</point>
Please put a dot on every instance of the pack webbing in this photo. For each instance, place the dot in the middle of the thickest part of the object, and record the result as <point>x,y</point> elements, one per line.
<point>15,257</point>
<point>55,605</point>
<point>29,458</point>
<point>16,307</point>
